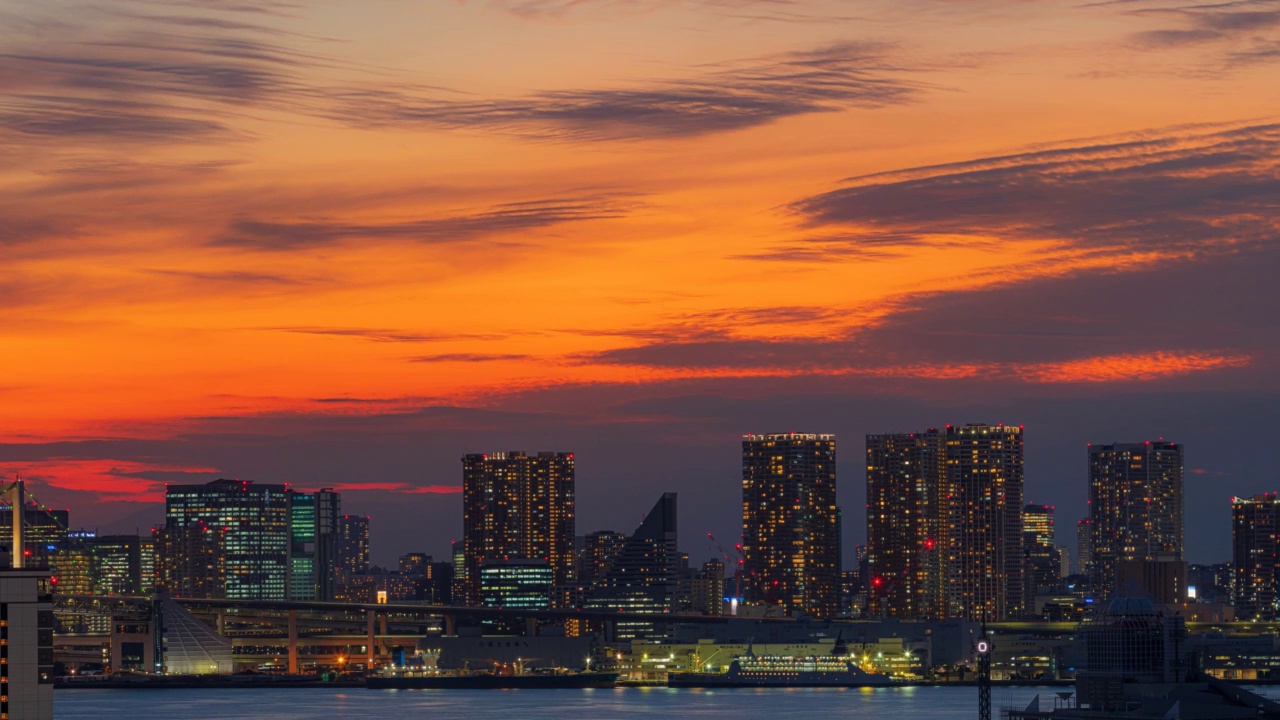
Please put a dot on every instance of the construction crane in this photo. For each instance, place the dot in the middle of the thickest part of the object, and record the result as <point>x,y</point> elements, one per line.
<point>740,564</point>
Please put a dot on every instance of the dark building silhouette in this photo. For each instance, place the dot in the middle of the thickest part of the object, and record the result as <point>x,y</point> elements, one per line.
<point>1135,506</point>
<point>517,506</point>
<point>984,481</point>
<point>1255,526</point>
<point>906,531</point>
<point>789,522</point>
<point>645,576</point>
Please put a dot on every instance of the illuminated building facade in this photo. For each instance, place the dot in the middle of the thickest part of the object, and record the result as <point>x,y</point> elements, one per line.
<point>984,481</point>
<point>1084,546</point>
<point>1255,530</point>
<point>599,549</point>
<point>517,506</point>
<point>313,536</point>
<point>707,591</point>
<point>906,531</point>
<point>1044,564</point>
<point>353,547</point>
<point>1135,506</point>
<point>119,564</point>
<point>71,568</point>
<point>45,529</point>
<point>516,584</point>
<point>789,522</point>
<point>191,560</point>
<point>254,524</point>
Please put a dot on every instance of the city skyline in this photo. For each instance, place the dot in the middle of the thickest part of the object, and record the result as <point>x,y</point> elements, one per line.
<point>912,446</point>
<point>338,245</point>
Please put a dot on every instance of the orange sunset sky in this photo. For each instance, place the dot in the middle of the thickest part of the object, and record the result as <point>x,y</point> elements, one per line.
<point>341,244</point>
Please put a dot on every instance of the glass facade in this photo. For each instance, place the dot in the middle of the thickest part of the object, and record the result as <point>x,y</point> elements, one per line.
<point>249,523</point>
<point>313,535</point>
<point>516,584</point>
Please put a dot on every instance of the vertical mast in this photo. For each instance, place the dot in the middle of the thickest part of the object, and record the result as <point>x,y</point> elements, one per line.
<point>18,496</point>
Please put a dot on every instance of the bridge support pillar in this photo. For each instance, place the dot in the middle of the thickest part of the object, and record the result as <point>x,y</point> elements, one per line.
<point>221,623</point>
<point>450,625</point>
<point>382,624</point>
<point>293,642</point>
<point>369,639</point>
<point>530,626</point>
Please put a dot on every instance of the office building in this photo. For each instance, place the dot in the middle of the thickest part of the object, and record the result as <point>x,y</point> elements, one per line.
<point>1135,506</point>
<point>44,530</point>
<point>789,522</point>
<point>1044,564</point>
<point>517,506</point>
<point>519,584</point>
<point>1255,541</point>
<point>71,569</point>
<point>191,561</point>
<point>984,481</point>
<point>906,531</point>
<point>706,591</point>
<point>120,565</point>
<point>254,523</point>
<point>314,532</point>
<point>353,547</point>
<point>596,555</point>
<point>1084,546</point>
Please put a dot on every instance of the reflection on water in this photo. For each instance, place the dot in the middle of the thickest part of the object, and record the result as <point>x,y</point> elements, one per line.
<point>668,704</point>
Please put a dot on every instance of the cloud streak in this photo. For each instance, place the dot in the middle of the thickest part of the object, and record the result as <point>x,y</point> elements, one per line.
<point>285,235</point>
<point>1167,191</point>
<point>722,99</point>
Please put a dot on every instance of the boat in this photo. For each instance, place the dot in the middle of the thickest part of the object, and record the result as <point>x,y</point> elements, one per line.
<point>784,671</point>
<point>422,671</point>
<point>490,681</point>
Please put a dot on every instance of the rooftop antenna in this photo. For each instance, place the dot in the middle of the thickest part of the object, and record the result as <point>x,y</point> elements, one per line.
<point>16,495</point>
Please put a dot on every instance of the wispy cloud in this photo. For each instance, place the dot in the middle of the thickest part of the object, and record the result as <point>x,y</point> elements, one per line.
<point>1238,33</point>
<point>468,357</point>
<point>506,218</point>
<point>1188,189</point>
<point>722,98</point>
<point>108,72</point>
<point>382,335</point>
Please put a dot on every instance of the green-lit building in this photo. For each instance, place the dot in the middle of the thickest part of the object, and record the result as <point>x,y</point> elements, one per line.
<point>314,532</point>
